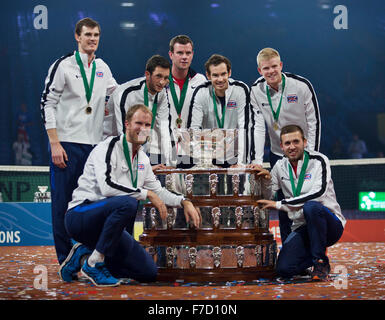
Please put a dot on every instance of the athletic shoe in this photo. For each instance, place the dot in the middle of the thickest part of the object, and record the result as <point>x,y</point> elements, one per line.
<point>71,266</point>
<point>320,271</point>
<point>99,275</point>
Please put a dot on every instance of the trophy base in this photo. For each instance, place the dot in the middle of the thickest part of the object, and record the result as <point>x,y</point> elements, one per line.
<point>217,275</point>
<point>211,255</point>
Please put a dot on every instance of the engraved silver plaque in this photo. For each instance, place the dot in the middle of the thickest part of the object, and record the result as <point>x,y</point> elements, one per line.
<point>227,218</point>
<point>228,256</point>
<point>207,218</point>
<point>250,257</point>
<point>182,257</point>
<point>204,258</point>
<point>159,256</point>
<point>263,218</point>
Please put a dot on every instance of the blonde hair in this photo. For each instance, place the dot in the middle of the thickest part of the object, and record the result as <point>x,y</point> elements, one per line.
<point>267,54</point>
<point>132,110</point>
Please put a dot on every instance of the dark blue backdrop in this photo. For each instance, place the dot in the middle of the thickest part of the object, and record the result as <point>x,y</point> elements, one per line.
<point>345,66</point>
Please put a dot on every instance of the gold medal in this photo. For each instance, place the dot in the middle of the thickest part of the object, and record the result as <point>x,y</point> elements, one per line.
<point>275,126</point>
<point>179,122</point>
<point>88,109</point>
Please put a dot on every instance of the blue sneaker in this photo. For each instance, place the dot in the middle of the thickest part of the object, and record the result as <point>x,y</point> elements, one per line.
<point>72,264</point>
<point>99,275</point>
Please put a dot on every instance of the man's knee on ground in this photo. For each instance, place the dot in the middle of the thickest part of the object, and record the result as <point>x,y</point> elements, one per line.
<point>149,274</point>
<point>286,271</point>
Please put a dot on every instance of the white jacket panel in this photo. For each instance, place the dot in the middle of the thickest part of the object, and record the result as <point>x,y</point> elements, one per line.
<point>106,174</point>
<point>64,103</point>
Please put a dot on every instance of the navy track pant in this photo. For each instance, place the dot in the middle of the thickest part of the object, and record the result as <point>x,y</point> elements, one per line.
<point>303,247</point>
<point>63,183</point>
<point>103,225</point>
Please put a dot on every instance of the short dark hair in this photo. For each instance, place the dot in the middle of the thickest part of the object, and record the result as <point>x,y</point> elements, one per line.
<point>182,39</point>
<point>133,109</point>
<point>217,59</point>
<point>87,22</point>
<point>157,61</point>
<point>290,129</point>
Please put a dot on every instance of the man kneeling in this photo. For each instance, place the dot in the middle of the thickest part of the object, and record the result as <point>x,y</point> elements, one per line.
<point>117,174</point>
<point>310,218</point>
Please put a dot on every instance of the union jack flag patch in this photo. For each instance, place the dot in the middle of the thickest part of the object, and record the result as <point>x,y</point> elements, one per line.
<point>140,166</point>
<point>292,98</point>
<point>231,104</point>
<point>307,176</point>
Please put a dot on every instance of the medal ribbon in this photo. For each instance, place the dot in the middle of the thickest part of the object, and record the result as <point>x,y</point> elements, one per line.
<point>178,104</point>
<point>154,105</point>
<point>301,178</point>
<point>127,155</point>
<point>88,88</point>
<point>275,114</point>
<point>219,121</point>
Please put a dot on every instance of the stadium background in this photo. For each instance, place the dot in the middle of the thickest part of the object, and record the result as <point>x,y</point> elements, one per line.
<point>345,66</point>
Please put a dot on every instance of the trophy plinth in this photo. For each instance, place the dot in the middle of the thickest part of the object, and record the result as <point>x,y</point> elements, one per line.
<point>233,241</point>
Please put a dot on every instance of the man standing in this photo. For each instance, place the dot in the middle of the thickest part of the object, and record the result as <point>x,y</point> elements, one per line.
<point>222,103</point>
<point>314,220</point>
<point>72,107</point>
<point>183,81</point>
<point>147,90</point>
<point>280,99</point>
<point>117,174</point>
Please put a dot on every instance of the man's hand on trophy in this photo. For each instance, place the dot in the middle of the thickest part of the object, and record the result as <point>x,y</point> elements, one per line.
<point>158,203</point>
<point>261,172</point>
<point>158,167</point>
<point>267,204</point>
<point>192,213</point>
<point>161,166</point>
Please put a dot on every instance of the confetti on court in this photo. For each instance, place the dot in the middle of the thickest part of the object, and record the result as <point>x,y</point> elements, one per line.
<point>357,273</point>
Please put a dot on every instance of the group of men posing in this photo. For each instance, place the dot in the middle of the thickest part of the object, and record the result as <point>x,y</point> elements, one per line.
<point>102,163</point>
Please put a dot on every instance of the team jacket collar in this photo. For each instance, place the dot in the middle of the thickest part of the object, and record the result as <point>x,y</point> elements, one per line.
<point>191,73</point>
<point>299,163</point>
<point>84,57</point>
<point>272,91</point>
<point>228,90</point>
<point>143,83</point>
<point>129,144</point>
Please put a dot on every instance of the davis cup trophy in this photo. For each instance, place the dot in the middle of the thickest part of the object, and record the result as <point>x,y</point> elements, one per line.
<point>233,241</point>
